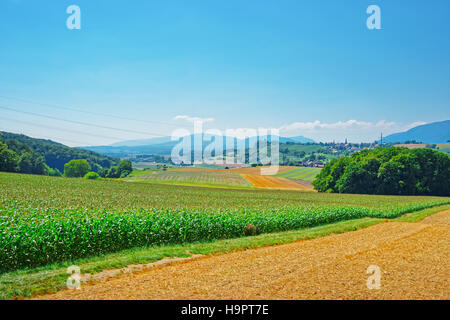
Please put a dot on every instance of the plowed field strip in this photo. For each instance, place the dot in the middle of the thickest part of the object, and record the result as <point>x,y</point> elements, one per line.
<point>269,182</point>
<point>253,170</point>
<point>413,258</point>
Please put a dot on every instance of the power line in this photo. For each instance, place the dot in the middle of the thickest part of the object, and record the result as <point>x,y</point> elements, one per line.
<point>91,112</point>
<point>61,129</point>
<point>64,139</point>
<point>80,122</point>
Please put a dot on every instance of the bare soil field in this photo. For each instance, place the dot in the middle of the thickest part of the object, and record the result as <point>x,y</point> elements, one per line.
<point>422,145</point>
<point>252,170</point>
<point>270,182</point>
<point>413,258</point>
<point>412,145</point>
<point>257,170</point>
<point>305,183</point>
<point>253,176</point>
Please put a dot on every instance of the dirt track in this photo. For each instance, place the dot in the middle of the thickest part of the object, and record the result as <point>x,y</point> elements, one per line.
<point>413,257</point>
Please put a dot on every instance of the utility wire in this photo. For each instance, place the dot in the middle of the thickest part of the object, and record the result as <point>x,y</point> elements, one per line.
<point>63,139</point>
<point>60,129</point>
<point>80,122</point>
<point>91,112</point>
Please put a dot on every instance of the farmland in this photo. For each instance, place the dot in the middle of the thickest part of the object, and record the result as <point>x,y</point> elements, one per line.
<point>413,256</point>
<point>269,182</point>
<point>302,173</point>
<point>193,177</point>
<point>47,219</point>
<point>442,147</point>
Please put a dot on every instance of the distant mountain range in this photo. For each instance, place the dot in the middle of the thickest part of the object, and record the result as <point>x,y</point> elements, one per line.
<point>435,132</point>
<point>141,142</point>
<point>164,145</point>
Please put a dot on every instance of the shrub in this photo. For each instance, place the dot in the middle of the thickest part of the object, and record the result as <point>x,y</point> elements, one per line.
<point>251,230</point>
<point>92,175</point>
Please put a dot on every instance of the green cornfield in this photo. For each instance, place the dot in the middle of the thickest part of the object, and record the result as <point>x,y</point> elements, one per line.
<point>45,220</point>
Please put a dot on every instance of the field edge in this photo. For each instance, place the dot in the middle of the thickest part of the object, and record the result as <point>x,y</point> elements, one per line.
<point>52,278</point>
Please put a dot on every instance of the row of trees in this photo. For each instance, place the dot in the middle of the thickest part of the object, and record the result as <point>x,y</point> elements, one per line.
<point>81,168</point>
<point>393,171</point>
<point>120,171</point>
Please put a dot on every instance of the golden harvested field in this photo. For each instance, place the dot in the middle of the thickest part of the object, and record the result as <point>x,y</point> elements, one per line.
<point>253,170</point>
<point>252,175</point>
<point>412,145</point>
<point>269,182</point>
<point>413,258</point>
<point>257,170</point>
<point>422,145</point>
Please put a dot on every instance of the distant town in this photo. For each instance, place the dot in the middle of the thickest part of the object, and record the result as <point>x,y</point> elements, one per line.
<point>298,154</point>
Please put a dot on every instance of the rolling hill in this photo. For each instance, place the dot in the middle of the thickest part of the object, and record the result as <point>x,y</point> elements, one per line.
<point>57,154</point>
<point>435,132</point>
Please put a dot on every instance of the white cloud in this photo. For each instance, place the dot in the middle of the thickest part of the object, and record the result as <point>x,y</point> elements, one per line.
<point>414,124</point>
<point>193,119</point>
<point>353,130</point>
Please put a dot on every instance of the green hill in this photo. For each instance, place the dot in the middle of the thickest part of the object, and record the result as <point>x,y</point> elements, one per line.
<point>57,154</point>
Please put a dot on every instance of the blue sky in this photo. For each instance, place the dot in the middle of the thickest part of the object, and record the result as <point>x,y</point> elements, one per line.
<point>311,68</point>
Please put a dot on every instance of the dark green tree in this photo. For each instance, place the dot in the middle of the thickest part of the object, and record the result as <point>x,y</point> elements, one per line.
<point>330,174</point>
<point>393,170</point>
<point>26,163</point>
<point>359,177</point>
<point>124,168</point>
<point>8,159</point>
<point>53,172</point>
<point>76,168</point>
<point>400,175</point>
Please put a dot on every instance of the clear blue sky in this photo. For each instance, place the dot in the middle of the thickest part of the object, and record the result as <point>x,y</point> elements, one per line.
<point>245,63</point>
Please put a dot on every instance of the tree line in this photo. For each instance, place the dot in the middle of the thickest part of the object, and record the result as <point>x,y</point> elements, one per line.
<point>18,157</point>
<point>390,171</point>
<point>22,154</point>
<point>79,168</point>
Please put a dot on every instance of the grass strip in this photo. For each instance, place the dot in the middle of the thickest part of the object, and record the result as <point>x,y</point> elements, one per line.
<point>420,215</point>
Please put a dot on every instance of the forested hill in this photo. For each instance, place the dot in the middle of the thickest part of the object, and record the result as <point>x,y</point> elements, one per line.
<point>57,154</point>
